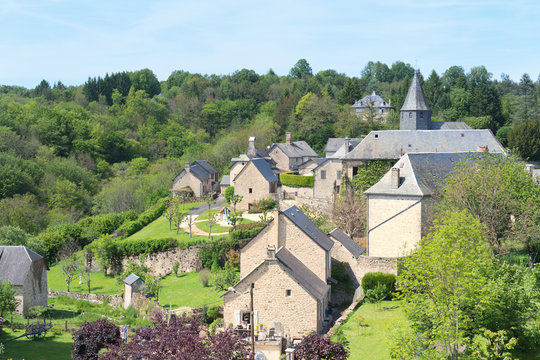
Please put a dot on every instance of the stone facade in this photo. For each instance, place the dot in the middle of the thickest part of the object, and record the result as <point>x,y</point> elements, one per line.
<point>200,188</point>
<point>282,161</point>
<point>285,233</point>
<point>161,263</point>
<point>299,313</point>
<point>394,223</point>
<point>253,186</point>
<point>327,179</point>
<point>235,169</point>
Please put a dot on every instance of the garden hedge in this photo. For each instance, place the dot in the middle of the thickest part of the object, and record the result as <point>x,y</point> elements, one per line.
<point>294,180</point>
<point>370,281</point>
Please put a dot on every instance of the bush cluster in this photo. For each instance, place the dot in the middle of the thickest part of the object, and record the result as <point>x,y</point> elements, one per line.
<point>296,180</point>
<point>246,231</point>
<point>370,281</point>
<point>144,246</point>
<point>216,250</point>
<point>263,205</point>
<point>146,217</point>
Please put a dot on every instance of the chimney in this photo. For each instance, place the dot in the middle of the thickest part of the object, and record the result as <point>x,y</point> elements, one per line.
<point>270,253</point>
<point>482,148</point>
<point>288,137</point>
<point>187,167</point>
<point>252,150</point>
<point>346,145</point>
<point>394,178</point>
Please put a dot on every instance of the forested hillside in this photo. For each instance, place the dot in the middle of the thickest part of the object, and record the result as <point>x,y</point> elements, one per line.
<point>114,144</point>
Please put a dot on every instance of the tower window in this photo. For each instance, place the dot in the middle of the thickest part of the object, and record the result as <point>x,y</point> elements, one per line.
<point>410,115</point>
<point>288,292</point>
<point>421,114</point>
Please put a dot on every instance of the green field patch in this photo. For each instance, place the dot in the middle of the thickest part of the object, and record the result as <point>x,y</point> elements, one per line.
<point>216,228</point>
<point>99,284</point>
<point>186,290</point>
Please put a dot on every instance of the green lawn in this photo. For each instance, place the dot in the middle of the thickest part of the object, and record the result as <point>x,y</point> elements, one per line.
<point>370,342</point>
<point>52,347</point>
<point>204,215</point>
<point>187,290</point>
<point>216,228</point>
<point>99,284</point>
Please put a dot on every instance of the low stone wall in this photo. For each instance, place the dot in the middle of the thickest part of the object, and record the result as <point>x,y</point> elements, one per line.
<point>161,263</point>
<point>344,316</point>
<point>366,264</point>
<point>114,300</point>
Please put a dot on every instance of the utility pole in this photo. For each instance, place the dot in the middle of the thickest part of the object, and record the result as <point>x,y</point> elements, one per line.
<point>252,319</point>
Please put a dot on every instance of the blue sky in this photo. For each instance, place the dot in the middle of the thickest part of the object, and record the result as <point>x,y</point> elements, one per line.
<point>72,40</point>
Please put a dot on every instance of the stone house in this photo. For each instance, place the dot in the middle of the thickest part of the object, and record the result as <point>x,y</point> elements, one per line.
<point>291,154</point>
<point>132,284</point>
<point>256,181</point>
<point>400,205</point>
<point>27,273</point>
<point>200,176</point>
<point>238,163</point>
<point>372,103</point>
<point>288,265</point>
<point>308,167</point>
<point>327,179</point>
<point>334,144</point>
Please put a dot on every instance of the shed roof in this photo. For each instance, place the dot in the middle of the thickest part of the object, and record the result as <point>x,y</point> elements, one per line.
<point>392,144</point>
<point>226,180</point>
<point>421,174</point>
<point>15,262</point>
<point>415,99</point>
<point>132,278</point>
<point>307,226</point>
<point>349,244</point>
<point>295,149</point>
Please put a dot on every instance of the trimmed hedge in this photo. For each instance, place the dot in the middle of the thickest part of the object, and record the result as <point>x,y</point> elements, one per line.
<point>294,180</point>
<point>370,281</point>
<point>144,246</point>
<point>245,234</point>
<point>248,226</point>
<point>146,217</point>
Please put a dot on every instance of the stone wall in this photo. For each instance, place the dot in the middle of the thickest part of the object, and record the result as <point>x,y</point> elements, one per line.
<point>161,263</point>
<point>114,300</point>
<point>365,264</point>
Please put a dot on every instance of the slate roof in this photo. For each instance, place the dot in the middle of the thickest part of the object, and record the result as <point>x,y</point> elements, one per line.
<point>295,149</point>
<point>205,165</point>
<point>15,263</point>
<point>415,99</point>
<point>341,151</point>
<point>449,125</point>
<point>131,279</point>
<point>421,174</point>
<point>226,180</point>
<point>307,226</point>
<point>333,144</point>
<point>349,244</point>
<point>376,101</point>
<point>264,168</point>
<point>317,161</point>
<point>392,144</point>
<point>301,273</point>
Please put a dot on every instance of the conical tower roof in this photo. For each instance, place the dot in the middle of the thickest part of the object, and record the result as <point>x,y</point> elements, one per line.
<point>415,99</point>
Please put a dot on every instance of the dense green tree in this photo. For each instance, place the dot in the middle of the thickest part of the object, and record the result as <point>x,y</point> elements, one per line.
<point>8,302</point>
<point>350,92</point>
<point>433,88</point>
<point>25,212</point>
<point>454,77</point>
<point>13,236</point>
<point>301,70</point>
<point>145,80</point>
<point>525,140</point>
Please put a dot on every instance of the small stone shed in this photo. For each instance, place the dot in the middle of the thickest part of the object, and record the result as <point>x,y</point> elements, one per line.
<point>132,284</point>
<point>27,273</point>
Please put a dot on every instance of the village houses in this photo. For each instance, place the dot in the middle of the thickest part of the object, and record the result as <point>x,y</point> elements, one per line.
<point>256,181</point>
<point>291,154</point>
<point>201,177</point>
<point>26,271</point>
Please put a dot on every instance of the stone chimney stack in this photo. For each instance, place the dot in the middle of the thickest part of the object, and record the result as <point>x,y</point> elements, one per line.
<point>270,253</point>
<point>288,137</point>
<point>252,150</point>
<point>347,145</point>
<point>187,167</point>
<point>394,179</point>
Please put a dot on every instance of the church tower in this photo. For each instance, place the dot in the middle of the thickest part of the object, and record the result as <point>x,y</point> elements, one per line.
<point>415,112</point>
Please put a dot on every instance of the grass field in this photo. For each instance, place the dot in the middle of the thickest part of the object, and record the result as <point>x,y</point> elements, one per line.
<point>100,284</point>
<point>187,290</point>
<point>370,341</point>
<point>216,228</point>
<point>52,347</point>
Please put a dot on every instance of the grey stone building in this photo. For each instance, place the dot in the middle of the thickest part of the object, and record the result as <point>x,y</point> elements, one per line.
<point>27,273</point>
<point>374,103</point>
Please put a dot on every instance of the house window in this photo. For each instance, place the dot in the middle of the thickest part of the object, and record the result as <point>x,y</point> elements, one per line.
<point>339,174</point>
<point>421,114</point>
<point>287,292</point>
<point>323,174</point>
<point>250,190</point>
<point>376,136</point>
<point>410,115</point>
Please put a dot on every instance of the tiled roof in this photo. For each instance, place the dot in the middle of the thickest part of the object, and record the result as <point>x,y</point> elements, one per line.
<point>392,144</point>
<point>295,149</point>
<point>349,244</point>
<point>15,263</point>
<point>421,173</point>
<point>306,225</point>
<point>415,99</point>
<point>301,273</point>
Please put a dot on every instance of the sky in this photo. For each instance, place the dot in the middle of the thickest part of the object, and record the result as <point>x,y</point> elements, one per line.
<point>69,41</point>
